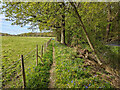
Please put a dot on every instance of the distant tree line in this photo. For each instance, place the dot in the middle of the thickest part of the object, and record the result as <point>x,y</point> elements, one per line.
<point>45,34</point>
<point>31,34</point>
<point>6,34</point>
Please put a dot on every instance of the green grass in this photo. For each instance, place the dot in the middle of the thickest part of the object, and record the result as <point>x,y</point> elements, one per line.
<point>71,74</point>
<point>12,48</point>
<point>39,77</point>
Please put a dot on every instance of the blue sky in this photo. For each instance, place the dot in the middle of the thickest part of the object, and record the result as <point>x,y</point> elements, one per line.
<point>6,27</point>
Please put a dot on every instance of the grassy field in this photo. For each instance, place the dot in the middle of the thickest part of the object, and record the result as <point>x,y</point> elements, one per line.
<point>12,49</point>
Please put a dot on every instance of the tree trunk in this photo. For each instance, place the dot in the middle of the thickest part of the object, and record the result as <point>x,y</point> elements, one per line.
<point>63,34</point>
<point>63,26</point>
<point>108,30</point>
<point>108,20</point>
<point>62,37</point>
<point>86,34</point>
<point>58,34</point>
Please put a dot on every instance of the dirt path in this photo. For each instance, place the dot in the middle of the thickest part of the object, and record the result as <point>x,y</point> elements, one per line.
<point>52,74</point>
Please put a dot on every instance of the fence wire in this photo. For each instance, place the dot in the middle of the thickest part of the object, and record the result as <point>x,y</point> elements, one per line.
<point>30,64</point>
<point>12,66</point>
<point>9,75</point>
<point>27,55</point>
<point>12,76</point>
<point>13,73</point>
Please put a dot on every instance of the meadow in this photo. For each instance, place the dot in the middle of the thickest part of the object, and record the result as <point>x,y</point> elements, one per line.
<point>12,49</point>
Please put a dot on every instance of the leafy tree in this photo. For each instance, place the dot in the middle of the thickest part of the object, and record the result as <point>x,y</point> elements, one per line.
<point>42,15</point>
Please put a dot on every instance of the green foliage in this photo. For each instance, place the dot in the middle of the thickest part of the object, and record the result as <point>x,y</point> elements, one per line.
<point>112,56</point>
<point>71,74</point>
<point>39,77</point>
<point>94,17</point>
<point>42,15</point>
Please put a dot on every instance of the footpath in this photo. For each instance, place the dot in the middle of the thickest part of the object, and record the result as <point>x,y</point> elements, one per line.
<point>52,73</point>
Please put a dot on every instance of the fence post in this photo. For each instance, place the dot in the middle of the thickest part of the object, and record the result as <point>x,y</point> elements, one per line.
<point>47,43</point>
<point>41,50</point>
<point>23,71</point>
<point>44,47</point>
<point>36,55</point>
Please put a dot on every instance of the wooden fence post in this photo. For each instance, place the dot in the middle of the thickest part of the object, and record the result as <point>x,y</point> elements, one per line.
<point>36,55</point>
<point>41,50</point>
<point>23,71</point>
<point>44,47</point>
<point>47,43</point>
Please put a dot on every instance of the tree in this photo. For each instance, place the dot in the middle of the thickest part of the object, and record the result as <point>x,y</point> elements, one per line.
<point>112,14</point>
<point>79,17</point>
<point>40,15</point>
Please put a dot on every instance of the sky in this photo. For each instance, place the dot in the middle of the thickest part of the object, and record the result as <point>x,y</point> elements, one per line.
<point>6,27</point>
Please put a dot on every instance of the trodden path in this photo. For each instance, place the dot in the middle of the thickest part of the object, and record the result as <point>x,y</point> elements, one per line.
<point>52,74</point>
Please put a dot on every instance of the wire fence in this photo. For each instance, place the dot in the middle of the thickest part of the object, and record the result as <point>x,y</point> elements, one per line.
<point>17,73</point>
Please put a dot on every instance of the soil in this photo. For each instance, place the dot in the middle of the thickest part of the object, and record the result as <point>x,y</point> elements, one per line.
<point>52,73</point>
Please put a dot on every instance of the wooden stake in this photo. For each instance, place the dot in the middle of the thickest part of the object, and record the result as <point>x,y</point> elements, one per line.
<point>46,45</point>
<point>36,55</point>
<point>23,71</point>
<point>44,48</point>
<point>41,50</point>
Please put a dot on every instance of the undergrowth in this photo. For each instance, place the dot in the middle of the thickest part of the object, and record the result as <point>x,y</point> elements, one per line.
<point>39,77</point>
<point>71,74</point>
